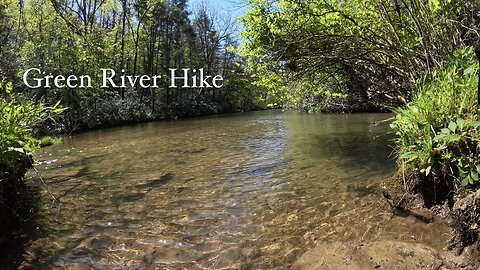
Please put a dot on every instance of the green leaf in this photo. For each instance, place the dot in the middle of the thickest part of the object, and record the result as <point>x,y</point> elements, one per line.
<point>454,137</point>
<point>445,131</point>
<point>439,137</point>
<point>407,155</point>
<point>465,181</point>
<point>460,123</point>
<point>452,126</point>
<point>448,138</point>
<point>410,156</point>
<point>474,175</point>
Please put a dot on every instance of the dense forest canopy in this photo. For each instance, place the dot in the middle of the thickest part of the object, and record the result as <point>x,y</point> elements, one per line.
<point>138,36</point>
<point>317,52</point>
<point>314,55</point>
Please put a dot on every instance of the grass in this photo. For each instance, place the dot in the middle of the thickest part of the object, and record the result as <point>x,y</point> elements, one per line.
<point>437,133</point>
<point>48,141</point>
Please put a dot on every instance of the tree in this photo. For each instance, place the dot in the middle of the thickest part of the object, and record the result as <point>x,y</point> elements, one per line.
<point>373,51</point>
<point>70,37</point>
<point>7,56</point>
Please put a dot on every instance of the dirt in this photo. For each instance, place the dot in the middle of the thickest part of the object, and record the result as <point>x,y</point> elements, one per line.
<point>373,255</point>
<point>466,227</point>
<point>465,245</point>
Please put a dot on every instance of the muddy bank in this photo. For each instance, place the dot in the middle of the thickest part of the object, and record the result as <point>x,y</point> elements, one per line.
<point>462,251</point>
<point>466,227</point>
<point>460,208</point>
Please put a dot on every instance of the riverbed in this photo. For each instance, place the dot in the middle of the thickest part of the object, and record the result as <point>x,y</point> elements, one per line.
<point>244,191</point>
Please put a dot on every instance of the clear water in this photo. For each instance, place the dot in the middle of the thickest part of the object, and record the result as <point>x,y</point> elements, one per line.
<point>246,191</point>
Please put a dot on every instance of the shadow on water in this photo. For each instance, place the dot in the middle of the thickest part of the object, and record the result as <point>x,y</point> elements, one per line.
<point>128,197</point>
<point>85,161</point>
<point>156,183</point>
<point>141,189</point>
<point>406,213</point>
<point>358,151</point>
<point>20,228</point>
<point>363,191</point>
<point>352,141</point>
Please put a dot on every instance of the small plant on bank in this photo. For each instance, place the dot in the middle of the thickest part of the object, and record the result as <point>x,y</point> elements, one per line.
<point>438,132</point>
<point>459,142</point>
<point>17,141</point>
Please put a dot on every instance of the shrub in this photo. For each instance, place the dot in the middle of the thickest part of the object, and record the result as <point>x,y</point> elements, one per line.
<point>17,141</point>
<point>437,133</point>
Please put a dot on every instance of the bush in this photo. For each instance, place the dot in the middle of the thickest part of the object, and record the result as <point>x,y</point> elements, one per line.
<point>17,123</point>
<point>17,142</point>
<point>437,133</point>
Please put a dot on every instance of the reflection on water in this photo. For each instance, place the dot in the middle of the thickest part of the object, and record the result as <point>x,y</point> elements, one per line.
<point>245,191</point>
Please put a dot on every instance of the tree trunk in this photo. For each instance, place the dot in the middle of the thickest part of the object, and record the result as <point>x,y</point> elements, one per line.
<point>122,61</point>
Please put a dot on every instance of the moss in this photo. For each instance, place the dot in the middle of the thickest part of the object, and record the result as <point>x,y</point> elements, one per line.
<point>48,141</point>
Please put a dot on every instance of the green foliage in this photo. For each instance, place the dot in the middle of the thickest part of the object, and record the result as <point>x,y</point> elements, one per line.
<point>438,132</point>
<point>6,49</point>
<point>372,51</point>
<point>17,141</point>
<point>455,142</point>
<point>68,37</point>
<point>48,141</point>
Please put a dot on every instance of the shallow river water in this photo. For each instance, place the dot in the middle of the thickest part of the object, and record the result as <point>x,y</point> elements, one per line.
<point>245,191</point>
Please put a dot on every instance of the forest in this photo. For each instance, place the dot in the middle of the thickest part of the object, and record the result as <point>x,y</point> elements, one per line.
<point>139,37</point>
<point>415,59</point>
<point>352,55</point>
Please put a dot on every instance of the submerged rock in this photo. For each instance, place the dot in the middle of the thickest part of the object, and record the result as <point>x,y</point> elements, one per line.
<point>374,255</point>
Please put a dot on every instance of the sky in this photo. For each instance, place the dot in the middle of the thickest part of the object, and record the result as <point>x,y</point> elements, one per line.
<point>225,9</point>
<point>231,8</point>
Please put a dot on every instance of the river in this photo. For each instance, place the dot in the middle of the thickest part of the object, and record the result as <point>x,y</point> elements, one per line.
<point>244,191</point>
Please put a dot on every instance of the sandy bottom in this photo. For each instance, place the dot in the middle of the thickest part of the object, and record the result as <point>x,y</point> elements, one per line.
<point>375,255</point>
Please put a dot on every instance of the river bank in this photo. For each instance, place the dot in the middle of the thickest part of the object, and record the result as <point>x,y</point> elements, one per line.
<point>457,252</point>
